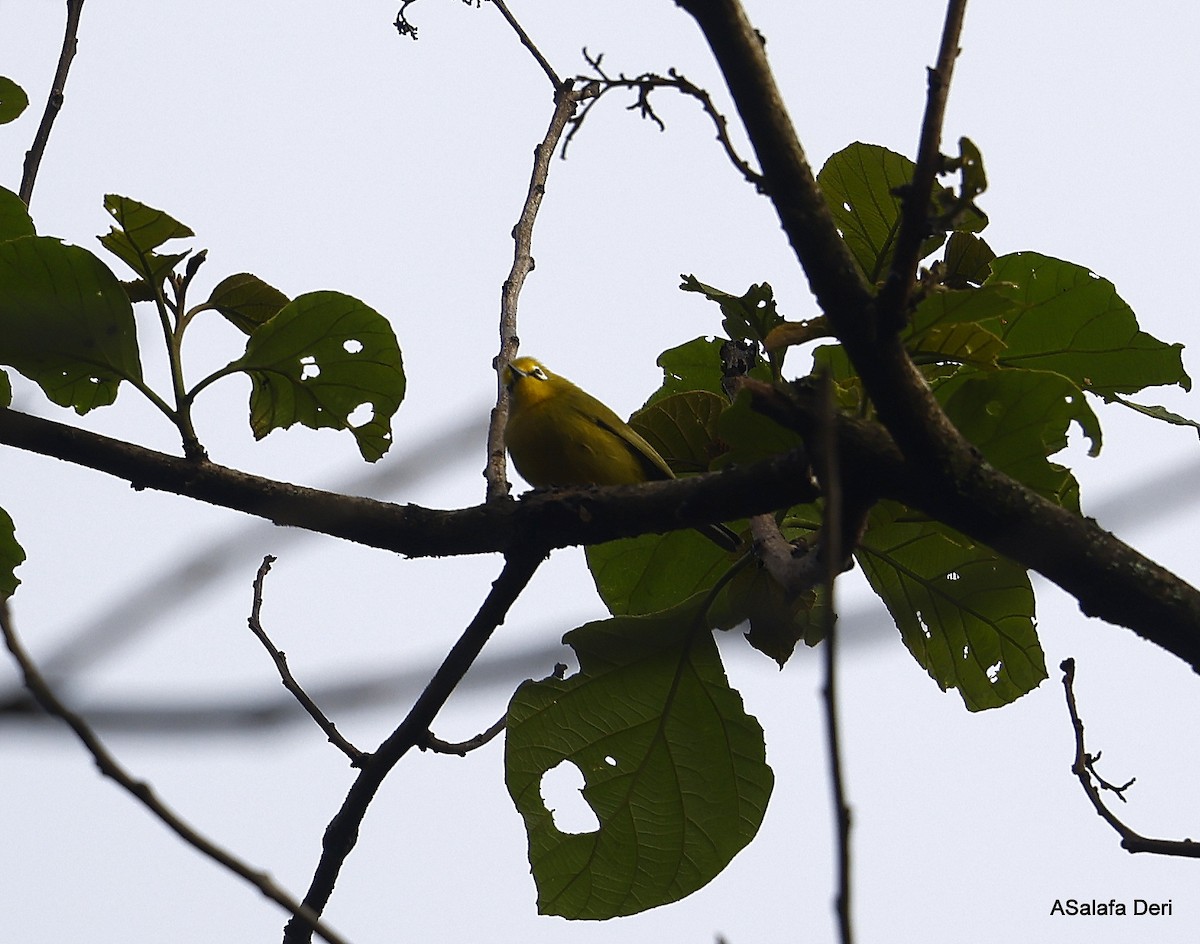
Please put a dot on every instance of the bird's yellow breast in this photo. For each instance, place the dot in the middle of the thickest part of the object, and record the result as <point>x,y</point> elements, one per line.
<point>553,444</point>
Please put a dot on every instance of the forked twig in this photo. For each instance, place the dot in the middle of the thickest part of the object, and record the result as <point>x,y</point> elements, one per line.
<point>341,835</point>
<point>597,85</point>
<point>144,793</point>
<point>285,674</point>
<point>1083,768</point>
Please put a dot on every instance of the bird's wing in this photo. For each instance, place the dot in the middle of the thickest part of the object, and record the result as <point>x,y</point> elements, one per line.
<point>655,465</point>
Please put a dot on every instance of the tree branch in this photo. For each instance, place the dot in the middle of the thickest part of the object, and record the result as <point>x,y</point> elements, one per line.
<point>529,44</point>
<point>54,101</point>
<point>941,473</point>
<point>1110,580</point>
<point>646,83</point>
<point>899,392</point>
<point>342,833</point>
<point>285,674</point>
<point>144,793</point>
<point>829,470</point>
<point>565,100</point>
<point>558,518</point>
<point>914,221</point>
<point>1082,768</point>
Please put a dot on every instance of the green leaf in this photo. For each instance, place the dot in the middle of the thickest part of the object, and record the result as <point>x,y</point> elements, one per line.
<point>674,768</point>
<point>965,613</point>
<point>960,306</point>
<point>1071,321</point>
<point>140,230</point>
<point>15,220</point>
<point>1157,413</point>
<point>1017,418</point>
<point>748,317</point>
<point>958,211</point>
<point>750,436</point>
<point>682,428</point>
<point>13,100</point>
<point>778,619</point>
<point>654,572</point>
<point>246,301</point>
<point>963,343</point>
<point>860,184</point>
<point>325,360</point>
<point>695,365</point>
<point>11,555</point>
<point>967,261</point>
<point>65,322</point>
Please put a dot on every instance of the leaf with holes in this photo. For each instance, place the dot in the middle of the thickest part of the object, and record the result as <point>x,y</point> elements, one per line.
<point>1017,419</point>
<point>965,613</point>
<point>65,322</point>
<point>748,317</point>
<point>326,360</point>
<point>675,770</point>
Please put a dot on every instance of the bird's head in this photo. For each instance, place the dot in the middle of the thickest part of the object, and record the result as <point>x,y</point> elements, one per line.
<point>528,380</point>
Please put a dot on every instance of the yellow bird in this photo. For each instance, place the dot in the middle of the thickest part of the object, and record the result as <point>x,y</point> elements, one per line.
<point>558,434</point>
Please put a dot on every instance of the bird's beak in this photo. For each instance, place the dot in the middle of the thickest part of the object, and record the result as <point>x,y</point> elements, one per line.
<point>511,373</point>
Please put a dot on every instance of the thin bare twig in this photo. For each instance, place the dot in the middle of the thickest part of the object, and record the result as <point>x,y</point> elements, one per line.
<point>831,540</point>
<point>462,748</point>
<point>529,44</point>
<point>914,221</point>
<point>144,793</point>
<point>342,833</point>
<point>565,101</point>
<point>1082,767</point>
<point>54,101</point>
<point>596,86</point>
<point>285,674</point>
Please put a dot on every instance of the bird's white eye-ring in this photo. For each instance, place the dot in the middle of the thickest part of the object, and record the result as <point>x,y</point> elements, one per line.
<point>539,373</point>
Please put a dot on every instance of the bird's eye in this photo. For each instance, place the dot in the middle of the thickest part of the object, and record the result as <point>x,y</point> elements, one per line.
<point>539,373</point>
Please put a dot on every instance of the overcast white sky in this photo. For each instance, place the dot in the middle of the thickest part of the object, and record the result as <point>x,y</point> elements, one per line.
<point>319,150</point>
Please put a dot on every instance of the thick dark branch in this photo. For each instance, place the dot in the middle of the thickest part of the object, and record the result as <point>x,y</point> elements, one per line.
<point>1110,579</point>
<point>1082,768</point>
<point>342,833</point>
<point>895,386</point>
<point>555,519</point>
<point>940,473</point>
